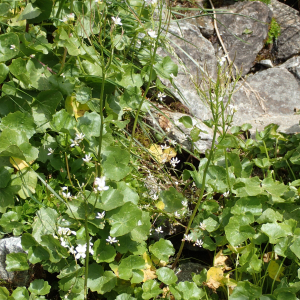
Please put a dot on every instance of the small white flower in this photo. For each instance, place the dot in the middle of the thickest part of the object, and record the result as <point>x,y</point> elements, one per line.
<point>202,226</point>
<point>164,147</point>
<point>81,250</point>
<point>79,137</point>
<point>65,231</point>
<point>64,19</point>
<point>172,76</point>
<point>184,203</point>
<point>97,1</point>
<point>159,229</point>
<point>100,184</point>
<point>74,143</point>
<point>63,75</point>
<point>12,47</point>
<point>100,215</point>
<point>232,108</point>
<point>226,194</point>
<point>71,17</point>
<point>199,243</point>
<point>174,161</point>
<point>66,195</point>
<point>188,238</point>
<point>117,20</point>
<point>222,60</point>
<point>112,240</point>
<point>161,95</point>
<point>72,250</point>
<point>64,188</point>
<point>32,55</point>
<point>152,34</point>
<point>177,215</point>
<point>172,142</point>
<point>87,158</point>
<point>51,151</point>
<point>154,196</point>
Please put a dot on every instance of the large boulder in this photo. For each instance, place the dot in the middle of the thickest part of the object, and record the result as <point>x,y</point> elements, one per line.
<point>244,28</point>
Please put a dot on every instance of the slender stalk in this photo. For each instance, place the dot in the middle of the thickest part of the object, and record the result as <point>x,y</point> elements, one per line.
<point>200,197</point>
<point>87,252</point>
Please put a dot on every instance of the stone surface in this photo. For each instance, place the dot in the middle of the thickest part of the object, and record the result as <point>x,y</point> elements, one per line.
<point>266,63</point>
<point>293,66</point>
<point>288,43</point>
<point>185,270</point>
<point>7,246</point>
<point>176,130</point>
<point>280,95</point>
<point>242,17</point>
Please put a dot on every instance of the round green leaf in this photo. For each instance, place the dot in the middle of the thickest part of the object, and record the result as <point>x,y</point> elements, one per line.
<point>39,287</point>
<point>8,40</point>
<point>172,200</point>
<point>151,289</point>
<point>16,262</point>
<point>3,71</point>
<point>166,275</point>
<point>103,252</point>
<point>162,249</point>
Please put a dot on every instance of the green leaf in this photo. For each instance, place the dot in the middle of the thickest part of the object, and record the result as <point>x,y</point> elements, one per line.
<point>30,12</point>
<point>44,223</point>
<point>63,122</point>
<point>16,262</point>
<point>6,41</point>
<point>110,199</point>
<point>129,78</point>
<point>162,249</point>
<point>151,289</point>
<point>123,219</point>
<point>166,275</point>
<point>238,230</point>
<point>234,160</point>
<point>186,121</point>
<point>128,264</point>
<point>83,94</point>
<point>252,205</point>
<point>45,7</point>
<point>125,296</point>
<point>262,163</point>
<point>172,200</point>
<point>195,134</point>
<point>4,9</point>
<point>247,187</point>
<point>211,224</point>
<point>7,195</point>
<point>89,124</point>
<point>190,291</point>
<point>4,176</point>
<point>18,69</point>
<point>4,70</point>
<point>4,293</point>
<point>141,232</point>
<point>228,141</point>
<point>166,67</point>
<point>19,121</point>
<point>39,287</point>
<point>245,290</point>
<point>20,293</point>
<point>101,282</point>
<point>103,252</point>
<point>295,247</point>
<point>270,216</point>
<point>37,254</point>
<point>274,231</point>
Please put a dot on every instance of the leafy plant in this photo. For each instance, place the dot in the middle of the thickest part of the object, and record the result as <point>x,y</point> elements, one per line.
<point>274,31</point>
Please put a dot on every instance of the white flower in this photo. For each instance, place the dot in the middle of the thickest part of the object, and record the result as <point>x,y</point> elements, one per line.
<point>172,76</point>
<point>174,161</point>
<point>202,226</point>
<point>232,108</point>
<point>226,194</point>
<point>184,203</point>
<point>164,146</point>
<point>74,143</point>
<point>199,243</point>
<point>32,55</point>
<point>71,17</point>
<point>154,196</point>
<point>152,34</point>
<point>149,2</point>
<point>188,238</point>
<point>72,250</point>
<point>117,20</point>
<point>63,75</point>
<point>160,96</point>
<point>87,158</point>
<point>79,137</point>
<point>66,195</point>
<point>222,60</point>
<point>112,240</point>
<point>65,231</point>
<point>172,142</point>
<point>100,215</point>
<point>64,188</point>
<point>12,47</point>
<point>51,151</point>
<point>81,250</point>
<point>159,229</point>
<point>177,215</point>
<point>100,184</point>
<point>97,1</point>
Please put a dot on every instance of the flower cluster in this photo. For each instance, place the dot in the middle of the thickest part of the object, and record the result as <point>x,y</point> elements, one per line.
<point>66,194</point>
<point>100,184</point>
<point>189,238</point>
<point>80,250</point>
<point>78,139</point>
<point>69,17</point>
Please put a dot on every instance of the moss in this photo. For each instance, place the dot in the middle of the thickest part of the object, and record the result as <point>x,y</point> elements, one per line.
<point>274,32</point>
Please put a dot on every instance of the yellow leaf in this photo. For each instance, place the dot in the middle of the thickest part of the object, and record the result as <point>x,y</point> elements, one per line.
<point>160,155</point>
<point>160,205</point>
<point>274,270</point>
<point>168,154</point>
<point>75,108</point>
<point>149,274</point>
<point>156,151</point>
<point>220,261</point>
<point>18,163</point>
<point>214,278</point>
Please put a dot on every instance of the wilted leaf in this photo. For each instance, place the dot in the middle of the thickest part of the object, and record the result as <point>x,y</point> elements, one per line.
<point>220,261</point>
<point>214,278</point>
<point>275,271</point>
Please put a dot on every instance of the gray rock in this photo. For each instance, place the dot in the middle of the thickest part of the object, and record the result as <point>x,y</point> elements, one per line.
<point>185,270</point>
<point>175,130</point>
<point>288,43</point>
<point>243,17</point>
<point>280,95</point>
<point>266,63</point>
<point>293,66</point>
<point>7,246</point>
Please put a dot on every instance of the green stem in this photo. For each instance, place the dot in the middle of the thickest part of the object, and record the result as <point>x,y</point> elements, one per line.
<point>87,253</point>
<point>200,197</point>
